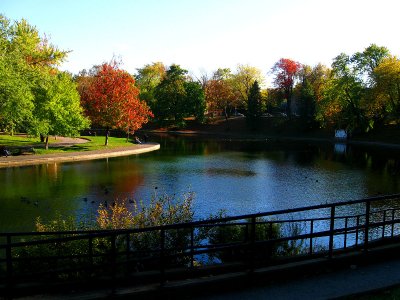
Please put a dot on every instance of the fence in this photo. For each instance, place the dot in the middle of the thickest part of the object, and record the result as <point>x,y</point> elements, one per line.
<point>46,260</point>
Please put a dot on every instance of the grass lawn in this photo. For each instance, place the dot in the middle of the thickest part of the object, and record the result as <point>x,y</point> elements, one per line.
<point>94,143</point>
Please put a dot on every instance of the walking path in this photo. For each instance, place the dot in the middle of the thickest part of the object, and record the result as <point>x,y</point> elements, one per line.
<point>354,280</point>
<point>24,160</point>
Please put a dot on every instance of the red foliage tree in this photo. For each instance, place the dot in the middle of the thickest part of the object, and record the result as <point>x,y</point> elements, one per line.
<point>285,71</point>
<point>111,99</point>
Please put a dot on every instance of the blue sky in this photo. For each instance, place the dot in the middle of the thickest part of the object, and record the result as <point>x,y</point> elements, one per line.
<point>203,35</point>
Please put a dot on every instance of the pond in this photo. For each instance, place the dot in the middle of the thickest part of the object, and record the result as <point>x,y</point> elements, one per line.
<point>237,176</point>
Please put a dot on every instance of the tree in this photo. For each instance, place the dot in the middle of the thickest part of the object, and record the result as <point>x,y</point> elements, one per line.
<point>111,99</point>
<point>220,94</point>
<point>243,80</point>
<point>254,105</point>
<point>310,90</point>
<point>285,71</point>
<point>366,61</point>
<point>170,95</point>
<point>195,100</point>
<point>345,92</point>
<point>147,79</point>
<point>35,96</point>
<point>57,108</point>
<point>16,96</point>
<point>177,97</point>
<point>387,89</point>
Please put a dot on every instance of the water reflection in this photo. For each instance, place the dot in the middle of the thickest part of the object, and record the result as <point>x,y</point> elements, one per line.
<point>238,176</point>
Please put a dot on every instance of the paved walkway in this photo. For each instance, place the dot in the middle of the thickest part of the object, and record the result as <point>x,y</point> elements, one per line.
<point>354,280</point>
<point>23,160</point>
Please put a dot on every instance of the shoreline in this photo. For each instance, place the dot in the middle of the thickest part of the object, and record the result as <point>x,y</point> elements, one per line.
<point>27,160</point>
<point>274,138</point>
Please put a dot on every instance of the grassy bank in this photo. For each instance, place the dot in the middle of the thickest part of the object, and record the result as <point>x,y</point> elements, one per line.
<point>58,145</point>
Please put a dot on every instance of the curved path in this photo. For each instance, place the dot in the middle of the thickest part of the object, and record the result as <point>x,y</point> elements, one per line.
<point>24,160</point>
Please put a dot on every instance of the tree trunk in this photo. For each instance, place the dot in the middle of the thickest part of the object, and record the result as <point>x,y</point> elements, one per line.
<point>41,138</point>
<point>107,134</point>
<point>47,143</point>
<point>127,136</point>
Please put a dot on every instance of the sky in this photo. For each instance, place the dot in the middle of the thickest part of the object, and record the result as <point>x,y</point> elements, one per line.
<point>204,35</point>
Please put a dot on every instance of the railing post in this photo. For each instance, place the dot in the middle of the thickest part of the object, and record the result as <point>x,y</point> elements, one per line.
<point>393,215</point>
<point>90,250</point>
<point>331,229</point>
<point>162,255</point>
<point>128,253</point>
<point>113,261</point>
<point>191,247</point>
<point>366,231</point>
<point>383,226</point>
<point>9,264</point>
<point>311,236</point>
<point>346,221</point>
<point>252,243</point>
<point>358,224</point>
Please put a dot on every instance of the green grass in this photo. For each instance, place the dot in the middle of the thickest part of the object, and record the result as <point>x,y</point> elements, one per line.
<point>94,143</point>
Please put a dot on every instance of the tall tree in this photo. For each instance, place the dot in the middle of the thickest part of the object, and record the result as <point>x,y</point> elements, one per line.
<point>243,80</point>
<point>254,105</point>
<point>195,100</point>
<point>111,100</point>
<point>285,71</point>
<point>147,79</point>
<point>36,96</point>
<point>366,62</point>
<point>386,92</point>
<point>170,95</point>
<point>220,94</point>
<point>57,108</point>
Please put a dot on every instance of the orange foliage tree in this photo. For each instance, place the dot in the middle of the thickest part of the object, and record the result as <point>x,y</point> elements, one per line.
<point>111,99</point>
<point>285,71</point>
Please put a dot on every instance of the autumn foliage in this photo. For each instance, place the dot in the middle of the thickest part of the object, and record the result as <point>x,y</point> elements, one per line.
<point>285,71</point>
<point>111,99</point>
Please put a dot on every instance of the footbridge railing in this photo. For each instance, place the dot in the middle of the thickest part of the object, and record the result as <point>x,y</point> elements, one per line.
<point>33,261</point>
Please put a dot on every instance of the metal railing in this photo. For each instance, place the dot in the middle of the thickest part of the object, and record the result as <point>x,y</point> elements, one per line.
<point>189,250</point>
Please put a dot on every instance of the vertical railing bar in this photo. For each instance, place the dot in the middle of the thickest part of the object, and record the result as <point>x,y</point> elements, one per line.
<point>90,250</point>
<point>9,264</point>
<point>393,214</point>
<point>128,252</point>
<point>311,236</point>
<point>366,231</point>
<point>346,220</point>
<point>252,243</point>
<point>358,224</point>
<point>162,255</point>
<point>113,260</point>
<point>383,226</point>
<point>331,230</point>
<point>192,247</point>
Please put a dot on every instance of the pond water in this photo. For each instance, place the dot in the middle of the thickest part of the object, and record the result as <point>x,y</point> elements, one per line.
<point>237,176</point>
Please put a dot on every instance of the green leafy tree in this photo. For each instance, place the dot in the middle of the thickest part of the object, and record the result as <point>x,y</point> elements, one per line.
<point>177,97</point>
<point>147,79</point>
<point>195,100</point>
<point>171,95</point>
<point>387,89</point>
<point>243,80</point>
<point>57,107</point>
<point>35,96</point>
<point>16,97</point>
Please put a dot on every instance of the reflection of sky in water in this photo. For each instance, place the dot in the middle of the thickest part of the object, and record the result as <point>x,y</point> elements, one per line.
<point>223,177</point>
